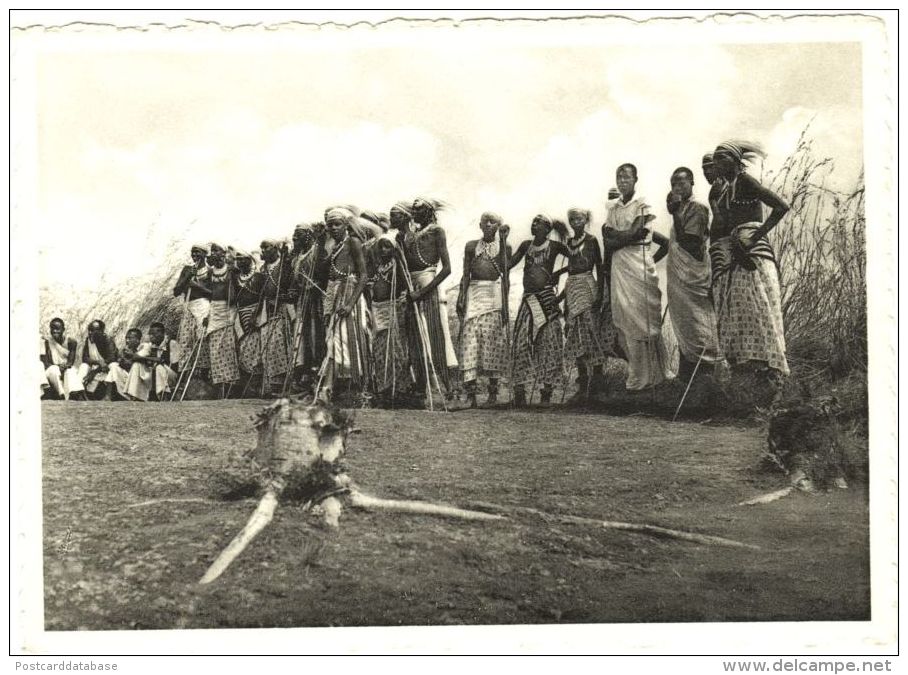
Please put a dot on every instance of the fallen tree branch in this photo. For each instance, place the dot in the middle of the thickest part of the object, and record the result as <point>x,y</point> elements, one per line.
<point>183,500</point>
<point>642,528</point>
<point>768,497</point>
<point>363,501</point>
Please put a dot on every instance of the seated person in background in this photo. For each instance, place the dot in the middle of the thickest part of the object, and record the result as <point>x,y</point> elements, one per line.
<point>150,375</point>
<point>58,354</point>
<point>118,372</point>
<point>98,351</point>
<point>164,377</point>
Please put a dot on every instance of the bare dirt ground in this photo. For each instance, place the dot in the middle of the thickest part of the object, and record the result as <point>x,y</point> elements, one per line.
<point>107,566</point>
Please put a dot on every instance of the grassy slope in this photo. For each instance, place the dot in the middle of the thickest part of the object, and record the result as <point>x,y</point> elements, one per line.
<point>110,568</point>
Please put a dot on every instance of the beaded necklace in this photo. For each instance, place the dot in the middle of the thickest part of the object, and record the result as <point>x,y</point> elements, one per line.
<point>333,257</point>
<point>730,194</point>
<point>383,273</point>
<point>489,251</point>
<point>274,266</point>
<point>201,273</point>
<point>244,279</point>
<point>575,247</point>
<point>303,264</point>
<point>219,275</point>
<point>538,254</point>
<point>414,240</point>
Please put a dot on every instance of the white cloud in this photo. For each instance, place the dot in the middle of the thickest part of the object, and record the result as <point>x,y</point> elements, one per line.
<point>835,132</point>
<point>237,181</point>
<point>256,145</point>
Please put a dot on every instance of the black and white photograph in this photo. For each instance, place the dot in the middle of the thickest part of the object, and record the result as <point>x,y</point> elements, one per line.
<point>549,322</point>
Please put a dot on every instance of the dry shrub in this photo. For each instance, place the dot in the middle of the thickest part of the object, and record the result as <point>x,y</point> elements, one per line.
<point>818,435</point>
<point>821,248</point>
<point>133,304</point>
<point>822,265</point>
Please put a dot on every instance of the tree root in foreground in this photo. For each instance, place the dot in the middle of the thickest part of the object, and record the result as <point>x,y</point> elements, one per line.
<point>331,507</point>
<point>181,500</point>
<point>362,501</point>
<point>642,528</point>
<point>299,455</point>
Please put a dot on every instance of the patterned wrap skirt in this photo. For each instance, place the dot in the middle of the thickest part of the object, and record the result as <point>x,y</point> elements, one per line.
<point>347,341</point>
<point>222,347</point>
<point>309,332</point>
<point>582,337</point>
<point>483,348</point>
<point>748,301</point>
<point>435,318</point>
<point>249,340</point>
<point>275,337</point>
<point>538,349</point>
<point>391,360</point>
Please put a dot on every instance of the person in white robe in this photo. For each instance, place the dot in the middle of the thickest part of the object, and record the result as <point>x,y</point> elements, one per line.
<point>98,351</point>
<point>151,371</point>
<point>58,356</point>
<point>688,278</point>
<point>118,373</point>
<point>636,300</point>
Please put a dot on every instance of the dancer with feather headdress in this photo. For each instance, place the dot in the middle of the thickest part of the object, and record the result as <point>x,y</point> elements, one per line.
<point>745,276</point>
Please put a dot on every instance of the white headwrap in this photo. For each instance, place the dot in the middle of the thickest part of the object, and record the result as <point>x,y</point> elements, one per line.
<point>743,151</point>
<point>580,209</point>
<point>339,213</point>
<point>404,207</point>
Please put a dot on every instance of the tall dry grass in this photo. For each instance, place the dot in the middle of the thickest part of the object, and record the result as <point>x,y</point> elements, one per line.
<point>135,304</point>
<point>821,249</point>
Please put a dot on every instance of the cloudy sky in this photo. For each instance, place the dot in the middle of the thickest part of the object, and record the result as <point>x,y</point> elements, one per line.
<point>236,141</point>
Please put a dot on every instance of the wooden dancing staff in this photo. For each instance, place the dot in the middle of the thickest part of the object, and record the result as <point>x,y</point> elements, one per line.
<point>506,306</point>
<point>714,324</point>
<point>428,361</point>
<point>426,348</point>
<point>388,344</point>
<point>297,337</point>
<point>189,356</point>
<point>274,308</point>
<point>301,306</point>
<point>392,330</point>
<point>361,318</point>
<point>463,319</point>
<point>649,355</point>
<point>193,352</point>
<point>197,349</point>
<point>192,371</point>
<point>329,340</point>
<point>225,390</point>
<point>255,315</point>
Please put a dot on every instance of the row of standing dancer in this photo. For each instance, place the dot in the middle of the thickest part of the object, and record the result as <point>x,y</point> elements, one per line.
<point>355,305</point>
